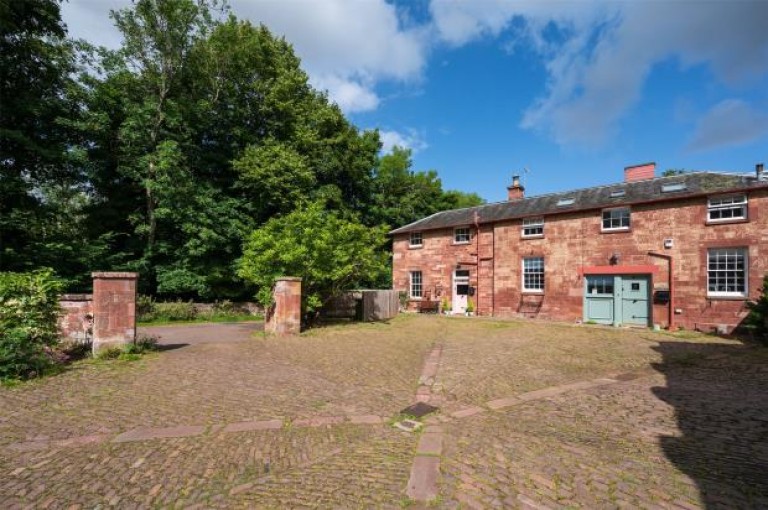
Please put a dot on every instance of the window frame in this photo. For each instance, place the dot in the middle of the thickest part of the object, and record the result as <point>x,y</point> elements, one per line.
<point>744,252</point>
<point>413,284</point>
<point>420,244</point>
<point>744,206</point>
<point>621,228</point>
<point>536,222</point>
<point>540,275</point>
<point>456,233</point>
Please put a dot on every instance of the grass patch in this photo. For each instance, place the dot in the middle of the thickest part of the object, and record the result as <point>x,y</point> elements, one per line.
<point>217,318</point>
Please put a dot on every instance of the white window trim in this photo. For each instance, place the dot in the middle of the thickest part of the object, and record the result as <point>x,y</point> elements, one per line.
<point>469,233</point>
<point>615,229</point>
<point>522,276</point>
<point>410,240</point>
<point>410,284</point>
<point>533,222</point>
<point>721,294</point>
<point>744,205</point>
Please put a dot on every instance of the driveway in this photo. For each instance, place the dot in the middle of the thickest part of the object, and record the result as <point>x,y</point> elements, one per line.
<point>202,333</point>
<point>531,415</point>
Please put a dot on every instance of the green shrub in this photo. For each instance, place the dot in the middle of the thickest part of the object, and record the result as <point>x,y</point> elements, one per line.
<point>109,353</point>
<point>758,314</point>
<point>29,310</point>
<point>145,308</point>
<point>175,311</point>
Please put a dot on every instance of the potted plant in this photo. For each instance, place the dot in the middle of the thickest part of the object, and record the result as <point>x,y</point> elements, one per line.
<point>470,307</point>
<point>445,306</point>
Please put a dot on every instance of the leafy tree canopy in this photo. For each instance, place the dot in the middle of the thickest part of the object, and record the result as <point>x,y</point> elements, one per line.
<point>329,253</point>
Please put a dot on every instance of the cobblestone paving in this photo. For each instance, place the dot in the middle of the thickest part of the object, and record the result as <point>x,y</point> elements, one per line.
<point>365,369</point>
<point>627,419</point>
<point>486,359</point>
<point>693,435</point>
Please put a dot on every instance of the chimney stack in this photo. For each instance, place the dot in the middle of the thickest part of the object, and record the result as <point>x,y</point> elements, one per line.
<point>639,172</point>
<point>759,172</point>
<point>516,191</point>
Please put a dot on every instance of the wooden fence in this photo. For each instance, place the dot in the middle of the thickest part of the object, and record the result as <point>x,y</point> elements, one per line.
<point>365,305</point>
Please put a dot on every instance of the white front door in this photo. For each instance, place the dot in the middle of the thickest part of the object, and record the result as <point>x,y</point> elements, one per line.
<point>460,290</point>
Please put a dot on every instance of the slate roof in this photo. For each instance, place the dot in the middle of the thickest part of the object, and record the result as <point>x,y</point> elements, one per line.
<point>648,190</point>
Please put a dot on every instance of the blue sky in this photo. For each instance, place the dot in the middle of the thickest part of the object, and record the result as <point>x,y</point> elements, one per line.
<point>573,91</point>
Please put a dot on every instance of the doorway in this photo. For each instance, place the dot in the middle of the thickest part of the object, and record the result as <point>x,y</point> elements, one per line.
<point>460,291</point>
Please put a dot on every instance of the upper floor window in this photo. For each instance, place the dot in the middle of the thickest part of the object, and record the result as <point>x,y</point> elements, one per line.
<point>533,227</point>
<point>461,235</point>
<point>732,207</point>
<point>727,272</point>
<point>416,284</point>
<point>616,219</point>
<point>533,274</point>
<point>416,240</point>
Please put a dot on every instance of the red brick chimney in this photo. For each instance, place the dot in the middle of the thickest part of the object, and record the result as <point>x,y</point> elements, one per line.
<point>639,172</point>
<point>516,191</point>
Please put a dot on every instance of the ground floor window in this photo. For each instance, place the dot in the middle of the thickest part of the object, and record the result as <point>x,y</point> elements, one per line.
<point>416,284</point>
<point>533,274</point>
<point>727,272</point>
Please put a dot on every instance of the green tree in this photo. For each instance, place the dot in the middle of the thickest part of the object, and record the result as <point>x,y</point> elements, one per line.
<point>758,313</point>
<point>401,195</point>
<point>35,104</point>
<point>329,253</point>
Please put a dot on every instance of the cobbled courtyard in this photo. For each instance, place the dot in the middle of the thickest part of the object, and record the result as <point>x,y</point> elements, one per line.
<point>531,415</point>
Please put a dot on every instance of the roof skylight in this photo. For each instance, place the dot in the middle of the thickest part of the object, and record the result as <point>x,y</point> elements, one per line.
<point>618,193</point>
<point>673,186</point>
<point>565,201</point>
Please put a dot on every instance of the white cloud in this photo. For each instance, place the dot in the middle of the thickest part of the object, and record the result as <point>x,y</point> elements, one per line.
<point>730,122</point>
<point>602,53</point>
<point>347,47</point>
<point>411,139</point>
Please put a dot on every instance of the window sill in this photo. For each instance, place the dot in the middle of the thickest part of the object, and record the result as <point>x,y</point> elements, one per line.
<point>532,292</point>
<point>539,236</point>
<point>716,297</point>
<point>416,247</point>
<point>615,230</point>
<point>727,222</point>
<point>460,243</point>
<point>415,299</point>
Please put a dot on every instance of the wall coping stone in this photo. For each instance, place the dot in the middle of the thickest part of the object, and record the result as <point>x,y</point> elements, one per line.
<point>76,297</point>
<point>288,279</point>
<point>114,275</point>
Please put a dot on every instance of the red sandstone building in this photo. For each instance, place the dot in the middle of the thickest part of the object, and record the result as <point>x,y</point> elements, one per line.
<point>685,250</point>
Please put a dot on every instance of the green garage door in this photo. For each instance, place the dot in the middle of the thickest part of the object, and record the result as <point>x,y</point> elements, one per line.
<point>617,299</point>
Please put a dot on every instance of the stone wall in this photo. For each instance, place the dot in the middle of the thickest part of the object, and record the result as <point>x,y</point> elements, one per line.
<point>76,321</point>
<point>574,241</point>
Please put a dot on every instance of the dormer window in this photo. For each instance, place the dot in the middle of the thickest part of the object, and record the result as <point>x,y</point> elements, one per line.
<point>461,235</point>
<point>727,208</point>
<point>616,219</point>
<point>533,227</point>
<point>416,240</point>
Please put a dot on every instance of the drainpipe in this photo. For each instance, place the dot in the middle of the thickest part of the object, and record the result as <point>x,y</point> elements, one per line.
<point>671,288</point>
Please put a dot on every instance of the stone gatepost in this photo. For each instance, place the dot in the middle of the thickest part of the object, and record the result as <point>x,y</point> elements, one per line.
<point>114,309</point>
<point>284,317</point>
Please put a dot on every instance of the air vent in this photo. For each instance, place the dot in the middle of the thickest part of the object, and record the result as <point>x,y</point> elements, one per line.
<point>618,193</point>
<point>673,187</point>
<point>565,201</point>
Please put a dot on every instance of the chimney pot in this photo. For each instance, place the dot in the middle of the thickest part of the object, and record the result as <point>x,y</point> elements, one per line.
<point>516,191</point>
<point>759,171</point>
